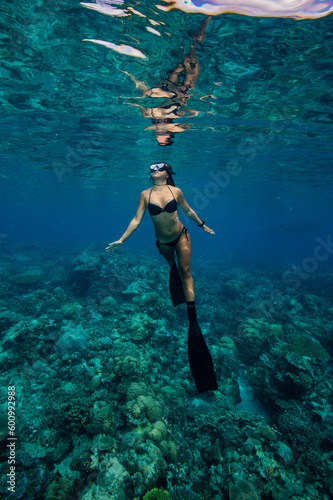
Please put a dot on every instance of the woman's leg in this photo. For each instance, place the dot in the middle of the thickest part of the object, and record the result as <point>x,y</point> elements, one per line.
<point>168,253</point>
<point>173,74</point>
<point>183,249</point>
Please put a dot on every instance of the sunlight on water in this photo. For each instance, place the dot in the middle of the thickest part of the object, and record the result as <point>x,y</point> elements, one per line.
<point>106,8</point>
<point>306,9</point>
<point>122,49</point>
<point>296,9</point>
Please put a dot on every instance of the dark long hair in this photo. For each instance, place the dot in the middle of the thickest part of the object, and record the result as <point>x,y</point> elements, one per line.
<point>170,180</point>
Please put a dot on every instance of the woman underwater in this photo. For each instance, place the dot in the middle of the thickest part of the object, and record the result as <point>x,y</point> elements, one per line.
<point>173,239</point>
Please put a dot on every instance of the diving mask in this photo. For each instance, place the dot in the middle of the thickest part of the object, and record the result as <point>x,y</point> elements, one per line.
<point>160,167</point>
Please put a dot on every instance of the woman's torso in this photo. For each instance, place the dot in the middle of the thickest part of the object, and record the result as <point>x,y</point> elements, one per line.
<point>168,110</point>
<point>175,96</point>
<point>162,206</point>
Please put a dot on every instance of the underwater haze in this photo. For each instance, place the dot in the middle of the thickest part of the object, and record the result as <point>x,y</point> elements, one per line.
<point>98,400</point>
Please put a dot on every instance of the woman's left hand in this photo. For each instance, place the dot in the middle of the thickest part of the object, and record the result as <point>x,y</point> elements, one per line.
<point>205,228</point>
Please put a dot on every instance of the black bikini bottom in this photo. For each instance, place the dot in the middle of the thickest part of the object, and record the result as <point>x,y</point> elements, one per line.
<point>173,243</point>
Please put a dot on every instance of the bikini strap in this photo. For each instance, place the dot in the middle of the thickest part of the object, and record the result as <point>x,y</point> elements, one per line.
<point>171,192</point>
<point>149,195</point>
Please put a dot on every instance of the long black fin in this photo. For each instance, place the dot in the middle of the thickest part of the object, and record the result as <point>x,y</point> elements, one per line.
<point>201,362</point>
<point>176,287</point>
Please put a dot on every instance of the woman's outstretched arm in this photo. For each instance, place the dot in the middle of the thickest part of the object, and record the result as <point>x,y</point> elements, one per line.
<point>133,225</point>
<point>189,212</point>
<point>139,85</point>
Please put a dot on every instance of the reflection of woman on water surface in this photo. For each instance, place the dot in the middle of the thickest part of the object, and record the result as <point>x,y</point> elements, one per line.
<point>173,240</point>
<point>175,91</point>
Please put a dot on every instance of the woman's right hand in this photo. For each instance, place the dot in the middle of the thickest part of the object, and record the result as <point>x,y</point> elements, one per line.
<point>113,246</point>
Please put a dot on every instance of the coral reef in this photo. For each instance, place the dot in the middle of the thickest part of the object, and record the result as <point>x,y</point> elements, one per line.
<point>145,407</point>
<point>306,346</point>
<point>108,408</point>
<point>72,338</point>
<point>29,277</point>
<point>3,426</point>
<point>102,418</point>
<point>111,479</point>
<point>242,490</point>
<point>156,494</point>
<point>59,489</point>
<point>183,493</point>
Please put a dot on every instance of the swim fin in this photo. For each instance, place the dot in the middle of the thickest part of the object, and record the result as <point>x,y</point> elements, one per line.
<point>176,287</point>
<point>201,362</point>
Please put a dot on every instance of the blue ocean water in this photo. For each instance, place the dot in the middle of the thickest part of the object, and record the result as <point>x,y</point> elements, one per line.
<point>105,401</point>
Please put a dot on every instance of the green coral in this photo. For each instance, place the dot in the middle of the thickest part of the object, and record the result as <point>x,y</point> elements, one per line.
<point>276,331</point>
<point>299,426</point>
<point>183,493</point>
<point>28,277</point>
<point>128,367</point>
<point>253,341</point>
<point>137,326</point>
<point>59,489</point>
<point>156,494</point>
<point>306,346</point>
<point>145,407</point>
<point>70,310</point>
<point>243,490</point>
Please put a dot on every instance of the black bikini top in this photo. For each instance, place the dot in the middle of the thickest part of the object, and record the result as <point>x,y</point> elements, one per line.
<point>156,209</point>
